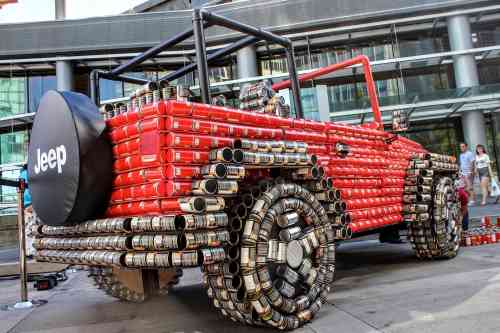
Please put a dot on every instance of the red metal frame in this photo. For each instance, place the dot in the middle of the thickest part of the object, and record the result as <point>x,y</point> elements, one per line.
<point>370,83</point>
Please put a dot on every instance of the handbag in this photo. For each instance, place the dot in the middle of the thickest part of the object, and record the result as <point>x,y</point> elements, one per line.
<point>495,188</point>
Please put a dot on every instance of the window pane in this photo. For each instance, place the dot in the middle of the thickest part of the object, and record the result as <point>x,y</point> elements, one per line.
<point>13,147</point>
<point>8,194</point>
<point>12,96</point>
<point>110,89</point>
<point>39,85</point>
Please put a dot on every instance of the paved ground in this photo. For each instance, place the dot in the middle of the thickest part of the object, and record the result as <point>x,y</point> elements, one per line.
<point>486,210</point>
<point>9,254</point>
<point>379,288</point>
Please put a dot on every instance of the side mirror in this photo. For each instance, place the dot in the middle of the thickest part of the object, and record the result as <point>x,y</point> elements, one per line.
<point>400,120</point>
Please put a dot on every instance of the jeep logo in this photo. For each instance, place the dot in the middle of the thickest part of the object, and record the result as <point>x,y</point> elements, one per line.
<point>51,159</point>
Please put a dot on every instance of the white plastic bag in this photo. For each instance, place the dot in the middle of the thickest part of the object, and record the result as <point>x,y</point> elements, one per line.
<point>495,189</point>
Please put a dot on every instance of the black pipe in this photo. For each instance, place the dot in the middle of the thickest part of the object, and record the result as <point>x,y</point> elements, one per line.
<point>94,78</point>
<point>201,56</point>
<point>153,51</point>
<point>250,40</point>
<point>295,83</point>
<point>123,78</point>
<point>244,28</point>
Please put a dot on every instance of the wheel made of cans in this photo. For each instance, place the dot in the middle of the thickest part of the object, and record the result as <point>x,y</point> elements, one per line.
<point>134,285</point>
<point>437,235</point>
<point>286,262</point>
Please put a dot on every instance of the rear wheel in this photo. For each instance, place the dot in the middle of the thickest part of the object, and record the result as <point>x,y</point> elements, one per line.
<point>286,262</point>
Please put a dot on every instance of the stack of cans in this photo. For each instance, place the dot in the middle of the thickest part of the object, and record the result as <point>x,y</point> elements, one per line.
<point>261,98</point>
<point>486,233</point>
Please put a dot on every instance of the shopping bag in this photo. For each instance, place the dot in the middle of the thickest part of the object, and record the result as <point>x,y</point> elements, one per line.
<point>495,189</point>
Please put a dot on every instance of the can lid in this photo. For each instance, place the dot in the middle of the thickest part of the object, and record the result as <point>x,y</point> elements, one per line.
<point>294,254</point>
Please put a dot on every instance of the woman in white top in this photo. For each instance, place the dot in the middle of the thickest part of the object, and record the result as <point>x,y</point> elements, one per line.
<point>483,170</point>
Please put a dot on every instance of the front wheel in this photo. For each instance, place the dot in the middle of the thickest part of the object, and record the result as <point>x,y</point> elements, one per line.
<point>435,226</point>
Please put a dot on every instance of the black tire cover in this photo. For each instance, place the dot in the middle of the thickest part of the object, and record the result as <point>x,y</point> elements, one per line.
<point>69,160</point>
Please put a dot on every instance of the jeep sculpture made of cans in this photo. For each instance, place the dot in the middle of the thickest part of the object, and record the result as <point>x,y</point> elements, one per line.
<point>256,199</point>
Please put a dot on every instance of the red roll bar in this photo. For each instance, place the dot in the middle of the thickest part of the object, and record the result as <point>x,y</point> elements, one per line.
<point>370,83</point>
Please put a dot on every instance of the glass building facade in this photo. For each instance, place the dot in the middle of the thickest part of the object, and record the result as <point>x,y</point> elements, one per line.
<point>18,96</point>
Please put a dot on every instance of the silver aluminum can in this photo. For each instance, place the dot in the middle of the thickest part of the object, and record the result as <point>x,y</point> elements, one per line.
<point>305,315</point>
<point>261,254</point>
<point>285,288</point>
<point>306,245</point>
<point>252,285</point>
<point>311,278</point>
<point>247,256</point>
<point>305,267</point>
<point>302,302</point>
<point>291,233</point>
<point>272,250</point>
<point>163,223</point>
<point>235,172</point>
<point>282,252</point>
<point>262,307</point>
<point>311,236</point>
<point>150,259</point>
<point>227,187</point>
<point>288,219</point>
<point>288,274</point>
<point>275,298</point>
<point>162,260</point>
<point>289,305</point>
<point>141,223</point>
<point>264,278</point>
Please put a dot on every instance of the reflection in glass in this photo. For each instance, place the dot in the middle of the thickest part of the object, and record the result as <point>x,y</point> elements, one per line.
<point>12,96</point>
<point>39,85</point>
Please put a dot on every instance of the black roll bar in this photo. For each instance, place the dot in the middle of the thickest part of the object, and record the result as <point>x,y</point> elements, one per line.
<point>203,19</point>
<point>247,41</point>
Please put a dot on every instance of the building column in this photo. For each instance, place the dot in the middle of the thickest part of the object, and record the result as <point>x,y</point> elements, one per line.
<point>246,62</point>
<point>64,75</point>
<point>323,103</point>
<point>466,75</point>
<point>60,6</point>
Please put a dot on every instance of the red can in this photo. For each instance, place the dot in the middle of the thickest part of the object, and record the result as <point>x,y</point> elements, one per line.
<point>150,110</point>
<point>179,108</point>
<point>201,111</point>
<point>181,156</point>
<point>170,205</point>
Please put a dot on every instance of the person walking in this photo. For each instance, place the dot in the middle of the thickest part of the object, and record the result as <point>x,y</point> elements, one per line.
<point>467,170</point>
<point>483,169</point>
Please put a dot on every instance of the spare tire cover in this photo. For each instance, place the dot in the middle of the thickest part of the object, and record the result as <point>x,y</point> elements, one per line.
<point>69,160</point>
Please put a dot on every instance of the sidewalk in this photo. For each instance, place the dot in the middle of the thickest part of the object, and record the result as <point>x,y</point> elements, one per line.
<point>478,211</point>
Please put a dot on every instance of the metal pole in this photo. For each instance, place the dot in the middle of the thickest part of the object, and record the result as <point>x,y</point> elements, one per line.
<point>244,28</point>
<point>213,56</point>
<point>295,83</point>
<point>123,78</point>
<point>93,86</point>
<point>201,56</point>
<point>153,51</point>
<point>22,241</point>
